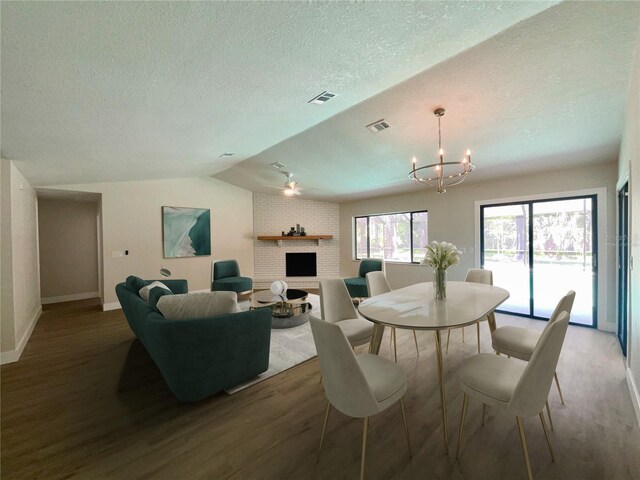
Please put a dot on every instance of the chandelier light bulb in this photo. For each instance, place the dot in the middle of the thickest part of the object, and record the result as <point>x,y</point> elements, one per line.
<point>441,152</point>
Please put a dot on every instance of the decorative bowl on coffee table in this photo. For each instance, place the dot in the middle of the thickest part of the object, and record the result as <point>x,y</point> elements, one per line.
<point>287,310</point>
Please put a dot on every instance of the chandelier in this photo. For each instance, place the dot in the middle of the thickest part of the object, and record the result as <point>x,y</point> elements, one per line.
<point>442,174</point>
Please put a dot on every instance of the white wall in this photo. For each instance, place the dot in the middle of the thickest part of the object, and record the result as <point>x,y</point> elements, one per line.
<point>7,327</point>
<point>452,219</point>
<point>20,276</point>
<point>629,163</point>
<point>132,220</point>
<point>68,239</point>
<point>273,214</point>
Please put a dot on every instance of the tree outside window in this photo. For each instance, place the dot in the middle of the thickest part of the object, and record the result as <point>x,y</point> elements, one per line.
<point>396,237</point>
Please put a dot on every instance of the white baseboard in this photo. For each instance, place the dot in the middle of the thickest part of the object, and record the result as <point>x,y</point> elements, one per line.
<point>69,298</point>
<point>14,355</point>
<point>111,306</point>
<point>635,396</point>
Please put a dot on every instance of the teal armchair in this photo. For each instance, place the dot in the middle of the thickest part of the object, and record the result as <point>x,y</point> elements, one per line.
<point>357,286</point>
<point>225,276</point>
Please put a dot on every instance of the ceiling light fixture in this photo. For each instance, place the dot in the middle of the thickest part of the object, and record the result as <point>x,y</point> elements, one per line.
<point>442,174</point>
<point>290,188</point>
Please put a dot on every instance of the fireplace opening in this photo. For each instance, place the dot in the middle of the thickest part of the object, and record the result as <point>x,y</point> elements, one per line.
<point>301,264</point>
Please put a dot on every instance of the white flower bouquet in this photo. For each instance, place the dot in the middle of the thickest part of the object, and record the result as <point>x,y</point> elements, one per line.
<point>441,255</point>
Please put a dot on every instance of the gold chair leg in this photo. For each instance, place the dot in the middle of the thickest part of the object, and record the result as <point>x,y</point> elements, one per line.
<point>555,376</point>
<point>478,329</point>
<point>364,446</point>
<point>448,337</point>
<point>484,409</point>
<point>324,429</point>
<point>524,447</point>
<point>415,338</point>
<point>406,426</point>
<point>395,346</point>
<point>465,399</point>
<point>546,435</point>
<point>549,415</point>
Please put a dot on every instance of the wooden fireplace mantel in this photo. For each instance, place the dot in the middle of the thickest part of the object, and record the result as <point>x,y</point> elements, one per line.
<point>279,238</point>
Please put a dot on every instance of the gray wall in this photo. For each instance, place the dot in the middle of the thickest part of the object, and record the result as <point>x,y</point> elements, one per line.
<point>629,167</point>
<point>68,238</point>
<point>20,279</point>
<point>132,220</point>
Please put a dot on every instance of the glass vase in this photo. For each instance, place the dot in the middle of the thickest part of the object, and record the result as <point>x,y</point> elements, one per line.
<point>440,284</point>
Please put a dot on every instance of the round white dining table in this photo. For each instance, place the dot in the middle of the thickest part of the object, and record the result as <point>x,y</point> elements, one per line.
<point>414,307</point>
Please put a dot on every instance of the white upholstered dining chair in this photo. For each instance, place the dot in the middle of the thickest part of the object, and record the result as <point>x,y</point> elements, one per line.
<point>377,285</point>
<point>337,307</point>
<point>357,385</point>
<point>512,385</point>
<point>520,342</point>
<point>474,275</point>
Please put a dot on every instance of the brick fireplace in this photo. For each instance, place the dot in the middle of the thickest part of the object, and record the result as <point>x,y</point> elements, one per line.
<point>274,214</point>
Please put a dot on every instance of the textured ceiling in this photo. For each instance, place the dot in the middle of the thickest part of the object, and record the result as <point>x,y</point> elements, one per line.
<point>548,93</point>
<point>112,91</point>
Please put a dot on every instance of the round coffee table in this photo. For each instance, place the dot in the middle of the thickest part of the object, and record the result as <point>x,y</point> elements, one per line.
<point>288,310</point>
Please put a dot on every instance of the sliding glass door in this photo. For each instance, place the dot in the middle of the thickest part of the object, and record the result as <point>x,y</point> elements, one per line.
<point>538,250</point>
<point>506,252</point>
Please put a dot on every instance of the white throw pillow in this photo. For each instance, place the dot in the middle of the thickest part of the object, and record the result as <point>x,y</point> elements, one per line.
<point>144,291</point>
<point>197,305</point>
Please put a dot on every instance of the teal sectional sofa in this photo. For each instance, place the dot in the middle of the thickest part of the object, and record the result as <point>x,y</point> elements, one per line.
<point>198,358</point>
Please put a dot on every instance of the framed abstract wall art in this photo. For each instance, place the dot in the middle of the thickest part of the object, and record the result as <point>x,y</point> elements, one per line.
<point>186,232</point>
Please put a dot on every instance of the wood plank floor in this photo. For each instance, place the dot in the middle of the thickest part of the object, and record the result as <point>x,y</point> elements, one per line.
<point>86,401</point>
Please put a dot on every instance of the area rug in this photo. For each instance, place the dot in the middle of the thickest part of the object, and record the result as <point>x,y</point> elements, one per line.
<point>289,347</point>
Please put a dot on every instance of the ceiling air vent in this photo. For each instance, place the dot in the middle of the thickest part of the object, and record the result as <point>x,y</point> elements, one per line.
<point>378,126</point>
<point>227,154</point>
<point>323,97</point>
<point>278,165</point>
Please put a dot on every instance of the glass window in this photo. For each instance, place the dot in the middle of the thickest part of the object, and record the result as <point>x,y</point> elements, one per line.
<point>362,241</point>
<point>396,237</point>
<point>420,235</point>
